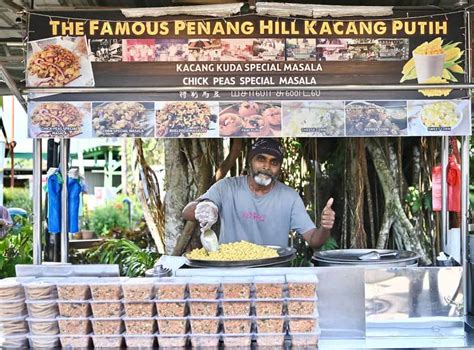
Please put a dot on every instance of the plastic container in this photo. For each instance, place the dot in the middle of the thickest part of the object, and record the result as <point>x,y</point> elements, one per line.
<point>102,326</point>
<point>305,340</point>
<point>269,287</point>
<point>41,290</point>
<point>203,287</point>
<point>16,341</point>
<point>110,308</point>
<point>204,325</point>
<point>172,325</point>
<point>203,307</point>
<point>139,289</point>
<point>270,339</point>
<point>207,341</point>
<point>172,340</point>
<point>41,326</point>
<point>236,307</point>
<point>12,308</point>
<point>135,341</point>
<point>11,289</point>
<point>75,341</point>
<point>171,308</point>
<point>107,289</point>
<point>42,308</point>
<point>170,289</point>
<point>272,324</point>
<point>269,307</point>
<point>234,325</point>
<point>303,324</point>
<point>13,326</point>
<point>301,286</point>
<point>74,308</point>
<point>107,341</point>
<point>74,289</point>
<point>302,307</point>
<point>75,326</point>
<point>237,287</point>
<point>238,341</point>
<point>43,341</point>
<point>140,325</point>
<point>139,308</point>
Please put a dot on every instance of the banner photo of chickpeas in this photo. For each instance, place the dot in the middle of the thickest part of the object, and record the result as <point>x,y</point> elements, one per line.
<point>122,119</point>
<point>313,118</point>
<point>440,117</point>
<point>250,119</point>
<point>186,119</point>
<point>59,61</point>
<point>376,118</point>
<point>59,119</point>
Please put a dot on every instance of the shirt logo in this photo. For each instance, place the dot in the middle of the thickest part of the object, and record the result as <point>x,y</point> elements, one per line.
<point>251,215</point>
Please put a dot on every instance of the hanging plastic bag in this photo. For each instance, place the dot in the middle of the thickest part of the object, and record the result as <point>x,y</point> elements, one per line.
<point>437,198</point>
<point>453,181</point>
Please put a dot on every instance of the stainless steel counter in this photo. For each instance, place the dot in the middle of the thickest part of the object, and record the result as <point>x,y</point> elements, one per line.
<point>403,307</point>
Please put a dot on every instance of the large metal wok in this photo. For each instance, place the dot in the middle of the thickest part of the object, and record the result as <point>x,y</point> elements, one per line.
<point>285,255</point>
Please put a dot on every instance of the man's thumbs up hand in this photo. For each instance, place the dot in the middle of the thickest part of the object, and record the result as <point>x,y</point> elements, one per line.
<point>328,215</point>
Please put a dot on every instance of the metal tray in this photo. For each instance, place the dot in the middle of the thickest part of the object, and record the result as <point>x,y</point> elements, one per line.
<point>285,254</point>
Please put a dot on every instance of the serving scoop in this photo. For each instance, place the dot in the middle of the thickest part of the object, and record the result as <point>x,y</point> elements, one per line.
<point>374,255</point>
<point>209,240</point>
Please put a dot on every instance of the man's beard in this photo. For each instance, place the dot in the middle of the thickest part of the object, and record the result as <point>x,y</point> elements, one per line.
<point>262,178</point>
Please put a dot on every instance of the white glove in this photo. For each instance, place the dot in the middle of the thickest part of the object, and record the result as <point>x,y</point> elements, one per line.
<point>206,213</point>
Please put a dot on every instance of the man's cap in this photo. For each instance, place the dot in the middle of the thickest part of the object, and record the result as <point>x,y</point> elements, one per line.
<point>267,146</point>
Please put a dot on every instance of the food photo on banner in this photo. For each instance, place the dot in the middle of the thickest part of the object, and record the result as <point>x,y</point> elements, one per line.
<point>59,61</point>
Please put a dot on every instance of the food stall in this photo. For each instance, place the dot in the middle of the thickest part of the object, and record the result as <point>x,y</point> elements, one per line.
<point>74,93</point>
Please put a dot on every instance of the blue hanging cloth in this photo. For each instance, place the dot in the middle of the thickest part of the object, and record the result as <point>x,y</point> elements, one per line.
<point>74,189</point>
<point>54,187</point>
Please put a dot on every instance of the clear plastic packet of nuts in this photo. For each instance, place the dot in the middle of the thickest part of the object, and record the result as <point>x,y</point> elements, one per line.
<point>11,289</point>
<point>170,288</point>
<point>12,308</point>
<point>74,308</point>
<point>237,287</point>
<point>205,341</point>
<point>75,288</point>
<point>302,307</point>
<point>139,289</point>
<point>106,308</point>
<point>42,308</point>
<point>139,308</point>
<point>305,340</point>
<point>269,287</point>
<point>171,308</point>
<point>140,341</point>
<point>303,324</point>
<point>236,307</point>
<point>173,341</point>
<point>204,287</point>
<point>302,286</point>
<point>107,288</point>
<point>41,289</point>
<point>109,325</point>
<point>270,340</point>
<point>203,307</point>
<point>204,325</point>
<point>269,307</point>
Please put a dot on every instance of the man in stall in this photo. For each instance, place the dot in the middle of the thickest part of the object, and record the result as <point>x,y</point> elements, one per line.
<point>257,207</point>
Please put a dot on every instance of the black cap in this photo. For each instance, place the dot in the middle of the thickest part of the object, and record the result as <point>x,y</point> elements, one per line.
<point>267,146</point>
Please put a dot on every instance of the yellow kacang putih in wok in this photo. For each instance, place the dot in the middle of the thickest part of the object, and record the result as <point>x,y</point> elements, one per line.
<point>236,251</point>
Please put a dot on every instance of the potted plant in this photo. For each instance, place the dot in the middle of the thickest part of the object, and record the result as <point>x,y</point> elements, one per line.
<point>87,232</point>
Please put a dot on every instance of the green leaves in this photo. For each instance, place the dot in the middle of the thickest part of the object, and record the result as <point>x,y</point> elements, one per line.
<point>132,260</point>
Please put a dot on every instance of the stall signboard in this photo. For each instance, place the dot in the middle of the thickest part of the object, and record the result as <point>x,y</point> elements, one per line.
<point>260,61</point>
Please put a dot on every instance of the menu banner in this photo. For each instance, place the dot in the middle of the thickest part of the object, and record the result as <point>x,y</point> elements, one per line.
<point>209,119</point>
<point>105,49</point>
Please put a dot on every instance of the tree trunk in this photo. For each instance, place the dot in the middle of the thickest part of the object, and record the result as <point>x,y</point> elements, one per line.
<point>358,234</point>
<point>178,190</point>
<point>387,171</point>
